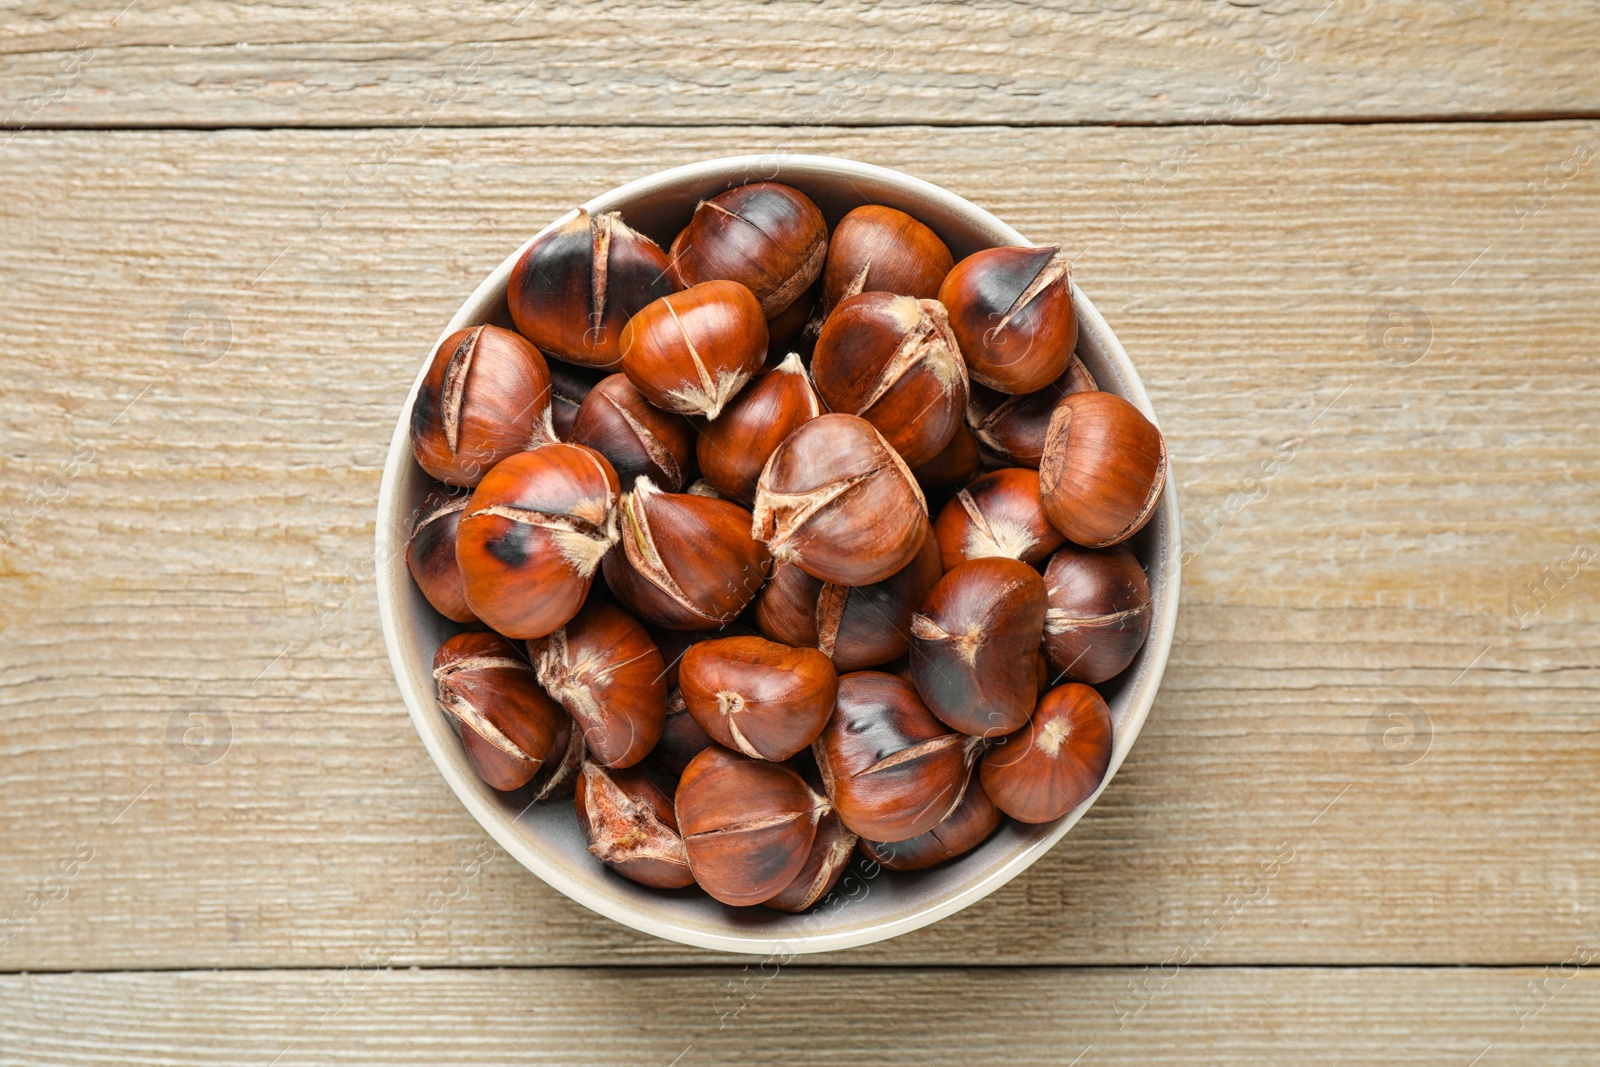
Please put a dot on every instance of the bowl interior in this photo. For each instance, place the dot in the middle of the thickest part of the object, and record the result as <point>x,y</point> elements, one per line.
<point>869,904</point>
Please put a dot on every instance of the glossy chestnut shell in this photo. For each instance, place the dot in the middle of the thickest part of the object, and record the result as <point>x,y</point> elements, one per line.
<point>831,850</point>
<point>766,700</point>
<point>507,724</point>
<point>1056,761</point>
<point>882,249</point>
<point>999,514</point>
<point>692,351</point>
<point>769,237</point>
<point>604,669</point>
<point>1103,469</point>
<point>637,437</point>
<point>431,553</point>
<point>735,446</point>
<point>485,396</point>
<point>969,826</point>
<point>1013,428</point>
<point>1098,611</point>
<point>1011,311</point>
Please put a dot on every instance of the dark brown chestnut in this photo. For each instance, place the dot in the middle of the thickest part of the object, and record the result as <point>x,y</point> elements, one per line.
<point>507,724</point>
<point>486,396</point>
<point>636,436</point>
<point>831,850</point>
<point>569,384</point>
<point>973,646</point>
<point>769,237</point>
<point>604,669</point>
<point>579,283</point>
<point>631,826</point>
<point>893,361</point>
<point>766,700</point>
<point>856,626</point>
<point>1011,311</point>
<point>1103,468</point>
<point>1014,427</point>
<point>969,826</point>
<point>559,775</point>
<point>735,446</point>
<point>1056,761</point>
<point>956,464</point>
<point>687,562</point>
<point>692,351</point>
<point>533,536</point>
<point>1098,611</point>
<point>999,514</point>
<point>891,769</point>
<point>881,249</point>
<point>681,738</point>
<point>431,553</point>
<point>838,502</point>
<point>748,824</point>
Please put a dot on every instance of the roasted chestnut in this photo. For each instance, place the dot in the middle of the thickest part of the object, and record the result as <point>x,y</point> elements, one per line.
<point>831,850</point>
<point>839,503</point>
<point>681,738</point>
<point>579,283</point>
<point>890,768</point>
<point>769,237</point>
<point>687,562</point>
<point>604,669</point>
<point>1011,311</point>
<point>1098,611</point>
<point>748,825</point>
<point>999,514</point>
<point>893,361</point>
<point>735,446</point>
<point>568,386</point>
<point>486,396</point>
<point>692,351</point>
<point>1014,427</point>
<point>1103,468</point>
<point>631,826</point>
<point>636,436</point>
<point>533,535</point>
<point>880,249</point>
<point>974,643</point>
<point>1056,761</point>
<point>766,700</point>
<point>507,724</point>
<point>957,464</point>
<point>431,553</point>
<point>856,626</point>
<point>969,826</point>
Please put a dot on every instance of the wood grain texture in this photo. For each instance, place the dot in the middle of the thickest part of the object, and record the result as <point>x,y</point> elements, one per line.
<point>212,541</point>
<point>770,1014</point>
<point>512,62</point>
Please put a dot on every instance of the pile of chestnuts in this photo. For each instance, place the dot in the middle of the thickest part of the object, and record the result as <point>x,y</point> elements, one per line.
<point>781,544</point>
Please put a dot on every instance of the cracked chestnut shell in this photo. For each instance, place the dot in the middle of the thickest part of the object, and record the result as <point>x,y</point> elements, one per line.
<point>1011,311</point>
<point>486,396</point>
<point>431,553</point>
<point>1055,761</point>
<point>735,446</point>
<point>533,536</point>
<point>604,669</point>
<point>893,361</point>
<point>891,769</point>
<point>831,850</point>
<point>769,237</point>
<point>881,249</point>
<point>575,287</point>
<point>1098,611</point>
<point>631,826</point>
<point>969,826</point>
<point>692,351</point>
<point>974,645</point>
<point>686,562</point>
<point>1014,427</point>
<point>1103,469</point>
<point>999,514</point>
<point>507,724</point>
<point>838,502</point>
<point>748,824</point>
<point>766,700</point>
<point>855,626</point>
<point>637,437</point>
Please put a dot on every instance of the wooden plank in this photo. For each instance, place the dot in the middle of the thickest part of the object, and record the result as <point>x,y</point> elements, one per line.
<point>511,62</point>
<point>214,546</point>
<point>795,1015</point>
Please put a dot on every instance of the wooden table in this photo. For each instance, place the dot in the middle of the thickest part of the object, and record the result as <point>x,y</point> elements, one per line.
<point>1352,248</point>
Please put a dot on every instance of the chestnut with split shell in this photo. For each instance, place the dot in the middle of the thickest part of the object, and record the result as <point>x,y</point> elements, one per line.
<point>769,237</point>
<point>690,352</point>
<point>1011,311</point>
<point>1013,428</point>
<point>637,437</point>
<point>604,669</point>
<point>486,396</point>
<point>431,553</point>
<point>998,514</point>
<point>881,249</point>
<point>969,826</point>
<point>766,700</point>
<point>1098,611</point>
<point>830,854</point>
<point>735,446</point>
<point>506,723</point>
<point>631,826</point>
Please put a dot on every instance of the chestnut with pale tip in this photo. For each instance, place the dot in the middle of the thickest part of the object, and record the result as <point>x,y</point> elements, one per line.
<point>604,669</point>
<point>686,562</point>
<point>631,826</point>
<point>891,769</point>
<point>578,284</point>
<point>431,553</point>
<point>769,237</point>
<point>1014,427</point>
<point>977,629</point>
<point>999,514</point>
<point>838,502</point>
<point>735,446</point>
<point>1098,611</point>
<point>1011,312</point>
<point>882,249</point>
<point>1103,469</point>
<point>1056,761</point>
<point>533,537</point>
<point>748,825</point>
<point>766,700</point>
<point>507,725</point>
<point>969,826</point>
<point>485,396</point>
<point>831,850</point>
<point>893,361</point>
<point>637,437</point>
<point>692,351</point>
